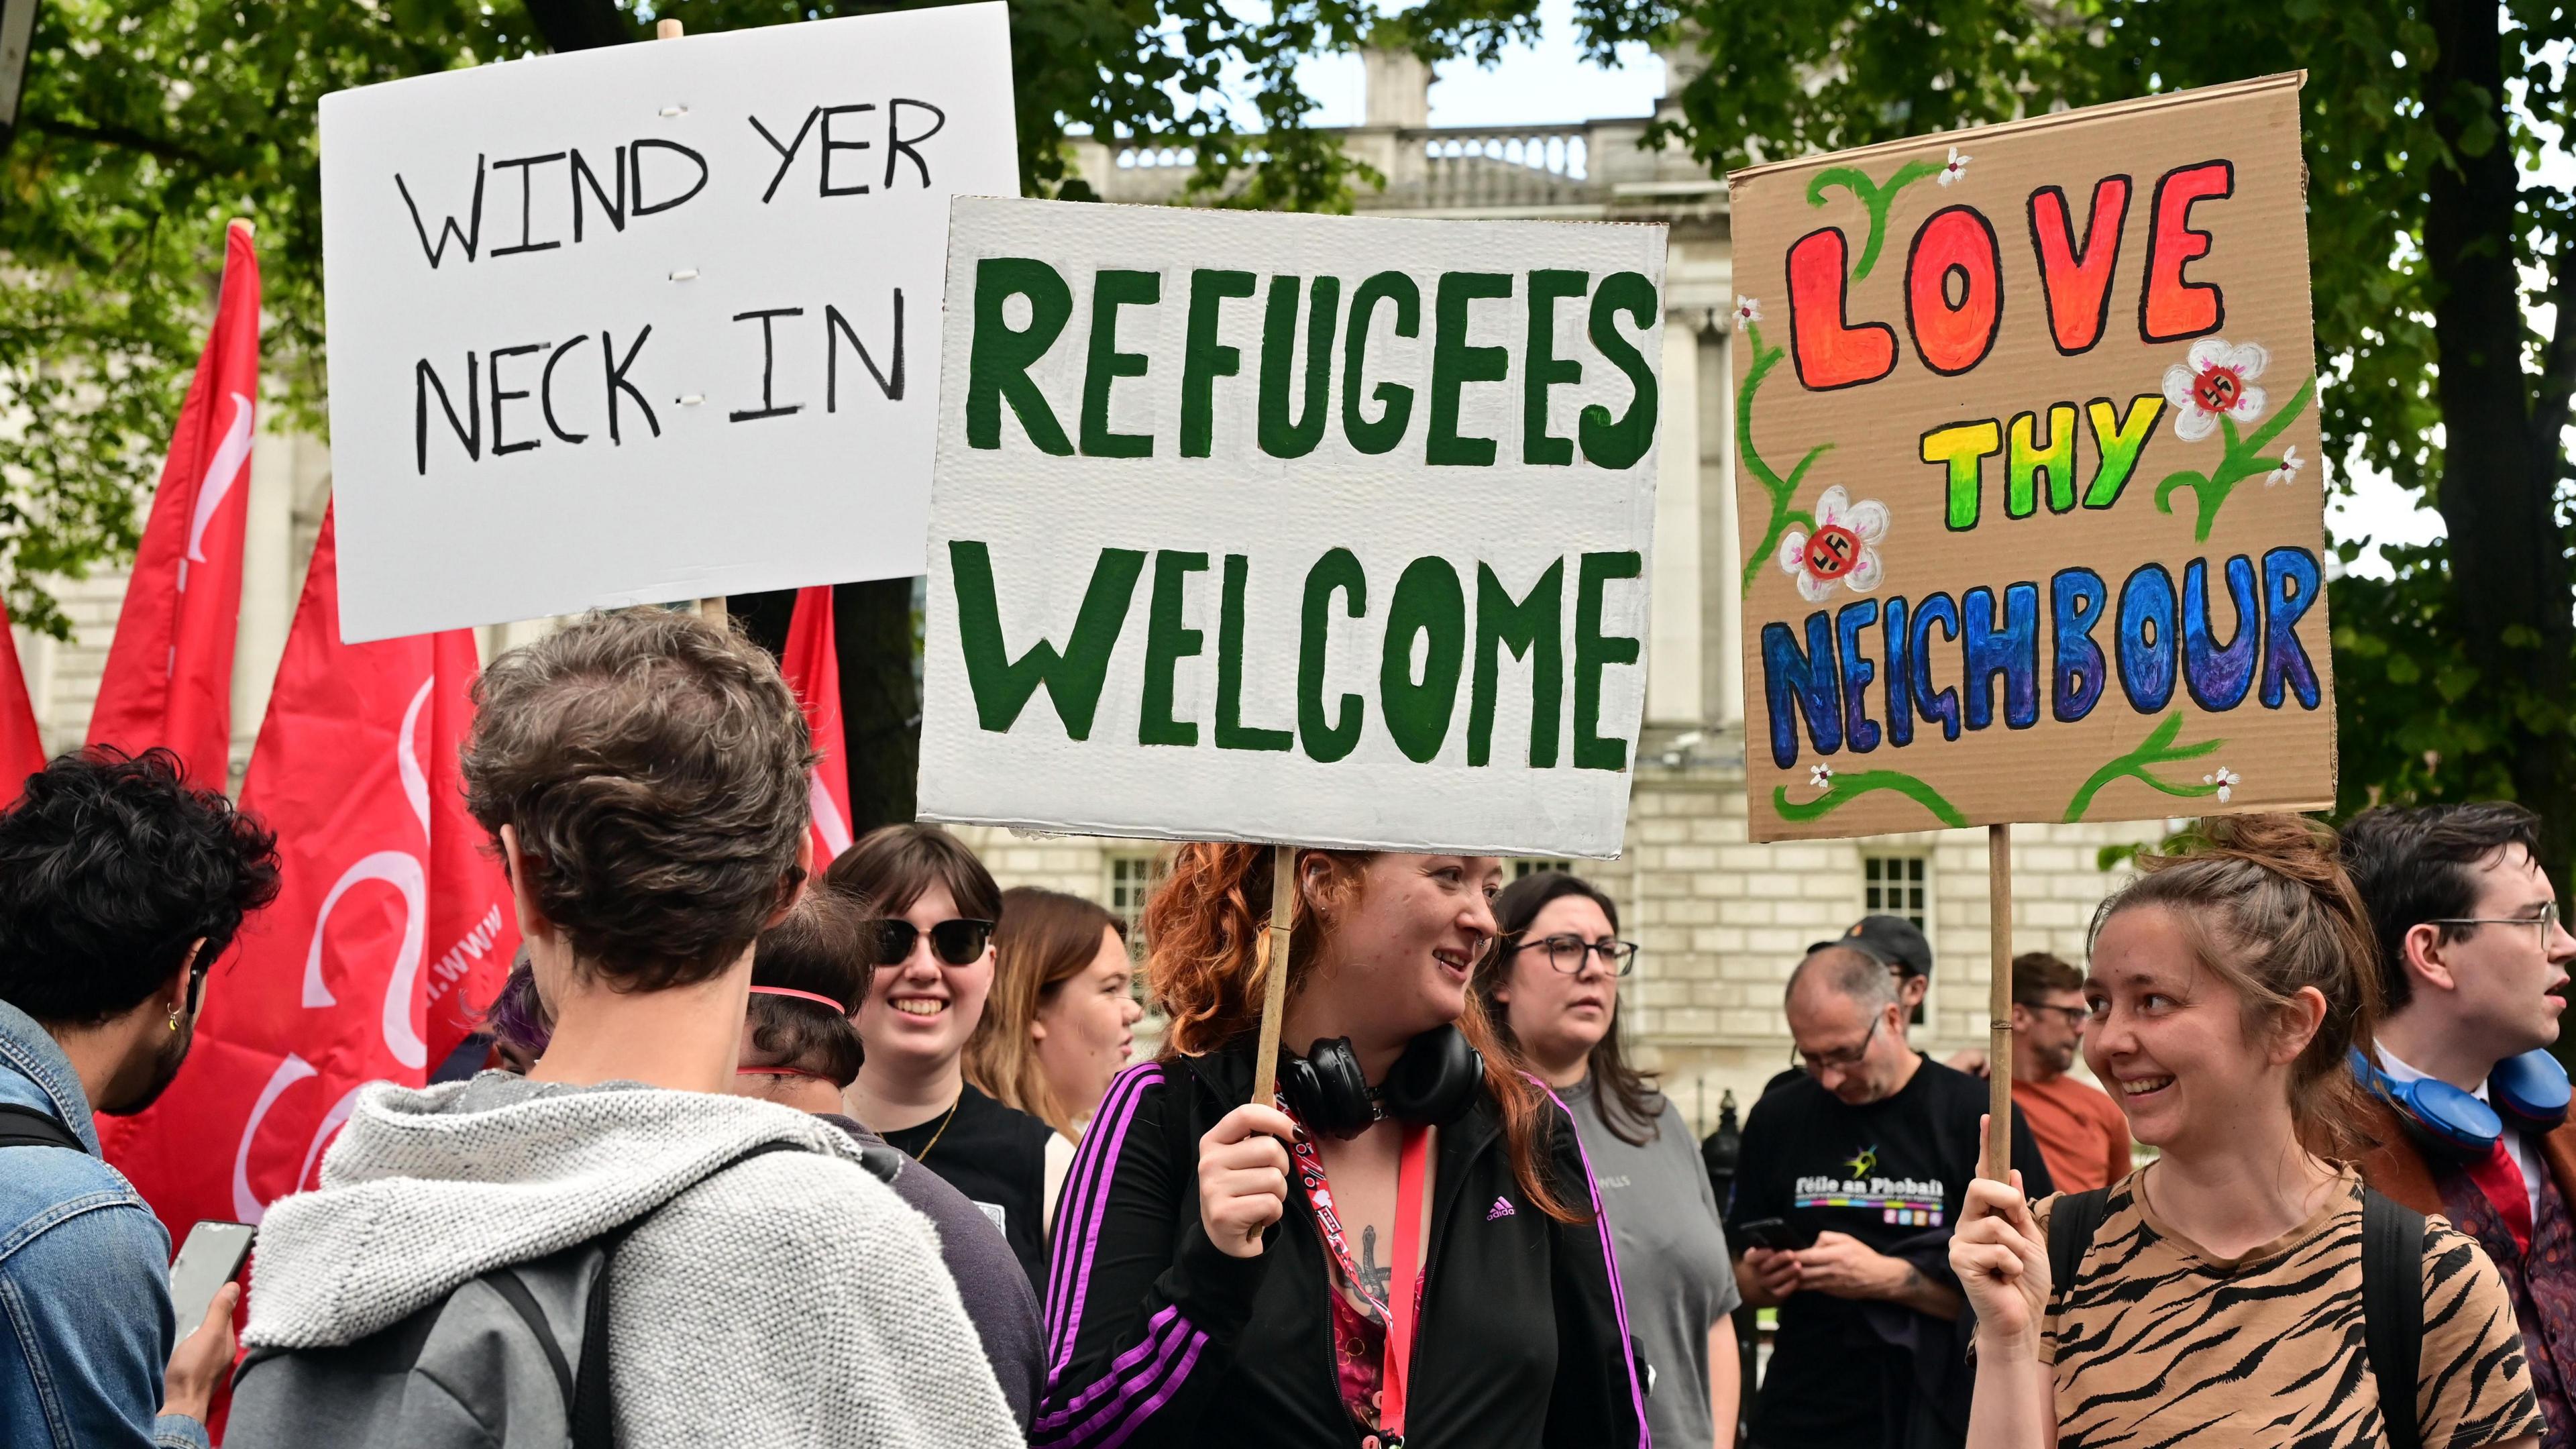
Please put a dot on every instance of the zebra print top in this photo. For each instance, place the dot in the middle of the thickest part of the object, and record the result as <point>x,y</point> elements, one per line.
<point>2158,1342</point>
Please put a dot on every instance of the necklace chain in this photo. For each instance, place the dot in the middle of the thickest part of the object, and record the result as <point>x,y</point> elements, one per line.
<point>924,1154</point>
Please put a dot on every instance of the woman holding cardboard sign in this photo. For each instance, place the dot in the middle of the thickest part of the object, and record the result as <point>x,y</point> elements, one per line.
<point>2244,1288</point>
<point>1407,1248</point>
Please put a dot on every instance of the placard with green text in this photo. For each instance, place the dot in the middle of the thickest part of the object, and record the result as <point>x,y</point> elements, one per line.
<point>1295,529</point>
<point>2027,474</point>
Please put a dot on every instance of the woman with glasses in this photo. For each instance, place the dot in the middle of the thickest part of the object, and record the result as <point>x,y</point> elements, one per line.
<point>934,970</point>
<point>1551,990</point>
<point>1406,1249</point>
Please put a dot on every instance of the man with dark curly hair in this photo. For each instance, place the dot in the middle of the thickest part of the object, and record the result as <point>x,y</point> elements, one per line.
<point>120,888</point>
<point>644,775</point>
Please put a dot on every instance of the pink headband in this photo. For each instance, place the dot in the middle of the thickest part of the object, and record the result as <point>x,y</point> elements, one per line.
<point>814,996</point>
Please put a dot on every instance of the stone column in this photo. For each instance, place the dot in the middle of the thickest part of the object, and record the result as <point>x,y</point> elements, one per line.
<point>1674,667</point>
<point>1721,612</point>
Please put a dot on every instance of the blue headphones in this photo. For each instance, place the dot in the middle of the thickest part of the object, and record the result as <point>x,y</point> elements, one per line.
<point>2531,1088</point>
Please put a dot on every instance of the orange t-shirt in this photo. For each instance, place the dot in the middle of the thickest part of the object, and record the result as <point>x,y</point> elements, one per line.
<point>2082,1134</point>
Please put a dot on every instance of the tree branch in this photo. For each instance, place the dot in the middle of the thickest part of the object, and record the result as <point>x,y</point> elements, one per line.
<point>2557,378</point>
<point>132,140</point>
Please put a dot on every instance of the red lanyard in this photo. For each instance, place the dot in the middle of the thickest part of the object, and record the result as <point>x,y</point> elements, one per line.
<point>1398,1317</point>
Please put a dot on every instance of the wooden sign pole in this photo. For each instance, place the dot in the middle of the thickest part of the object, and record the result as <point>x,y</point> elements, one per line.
<point>1274,983</point>
<point>1999,1036</point>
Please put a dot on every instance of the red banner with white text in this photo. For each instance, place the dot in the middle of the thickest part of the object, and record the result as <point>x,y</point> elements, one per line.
<point>392,928</point>
<point>169,678</point>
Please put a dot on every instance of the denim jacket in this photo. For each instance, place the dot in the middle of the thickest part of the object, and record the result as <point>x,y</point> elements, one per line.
<point>85,1319</point>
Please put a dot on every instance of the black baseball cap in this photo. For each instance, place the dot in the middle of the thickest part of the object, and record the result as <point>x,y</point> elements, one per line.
<point>1890,940</point>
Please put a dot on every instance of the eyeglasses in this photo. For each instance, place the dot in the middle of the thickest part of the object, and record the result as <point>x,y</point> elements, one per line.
<point>1841,1061</point>
<point>959,943</point>
<point>2073,1016</point>
<point>1567,953</point>
<point>2553,915</point>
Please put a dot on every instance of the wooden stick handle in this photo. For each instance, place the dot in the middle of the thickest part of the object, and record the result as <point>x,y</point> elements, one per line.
<point>712,609</point>
<point>1274,982</point>
<point>1999,1036</point>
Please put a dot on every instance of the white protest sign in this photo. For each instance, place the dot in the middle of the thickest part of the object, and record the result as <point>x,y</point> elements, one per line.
<point>1300,529</point>
<point>647,322</point>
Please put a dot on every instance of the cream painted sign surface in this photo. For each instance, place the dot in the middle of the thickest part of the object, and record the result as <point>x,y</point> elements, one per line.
<point>1298,529</point>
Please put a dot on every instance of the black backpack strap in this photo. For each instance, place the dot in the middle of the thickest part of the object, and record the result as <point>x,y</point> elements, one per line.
<point>2392,1311</point>
<point>590,1398</point>
<point>515,1292</point>
<point>27,1127</point>
<point>2072,1223</point>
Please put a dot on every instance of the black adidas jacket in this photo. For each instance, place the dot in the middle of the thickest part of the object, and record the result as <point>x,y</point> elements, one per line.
<point>1155,1337</point>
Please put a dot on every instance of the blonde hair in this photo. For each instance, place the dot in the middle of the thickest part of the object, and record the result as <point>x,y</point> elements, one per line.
<point>1044,939</point>
<point>2268,909</point>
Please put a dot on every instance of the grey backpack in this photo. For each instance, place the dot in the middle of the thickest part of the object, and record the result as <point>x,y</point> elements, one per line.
<point>515,1359</point>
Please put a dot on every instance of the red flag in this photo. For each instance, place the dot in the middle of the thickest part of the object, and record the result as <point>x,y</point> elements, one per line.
<point>169,677</point>
<point>22,747</point>
<point>391,924</point>
<point>813,670</point>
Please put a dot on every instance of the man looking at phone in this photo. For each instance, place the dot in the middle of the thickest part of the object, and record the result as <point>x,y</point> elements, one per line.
<point>1844,1198</point>
<point>120,886</point>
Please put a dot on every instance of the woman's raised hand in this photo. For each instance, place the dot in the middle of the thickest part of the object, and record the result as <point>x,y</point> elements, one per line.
<point>2002,1263</point>
<point>1243,1177</point>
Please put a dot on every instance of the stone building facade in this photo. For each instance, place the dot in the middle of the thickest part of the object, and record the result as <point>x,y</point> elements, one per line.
<point>1722,921</point>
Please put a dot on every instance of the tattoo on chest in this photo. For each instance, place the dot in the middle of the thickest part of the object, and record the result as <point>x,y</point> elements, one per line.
<point>1373,1277</point>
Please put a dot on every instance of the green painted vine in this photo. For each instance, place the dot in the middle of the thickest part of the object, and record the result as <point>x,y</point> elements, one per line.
<point>1847,788</point>
<point>1872,196</point>
<point>1782,491</point>
<point>2243,459</point>
<point>2158,748</point>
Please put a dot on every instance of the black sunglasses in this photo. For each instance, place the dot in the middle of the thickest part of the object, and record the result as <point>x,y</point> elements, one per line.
<point>959,943</point>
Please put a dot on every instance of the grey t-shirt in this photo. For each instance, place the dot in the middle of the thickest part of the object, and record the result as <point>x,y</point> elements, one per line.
<point>1673,1263</point>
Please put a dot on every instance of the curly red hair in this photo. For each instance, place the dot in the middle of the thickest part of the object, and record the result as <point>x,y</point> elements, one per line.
<point>1205,968</point>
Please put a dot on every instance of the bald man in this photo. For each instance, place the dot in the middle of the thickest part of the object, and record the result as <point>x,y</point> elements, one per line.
<point>1859,1168</point>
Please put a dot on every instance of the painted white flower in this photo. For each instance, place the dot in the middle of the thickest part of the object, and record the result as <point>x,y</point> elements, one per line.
<point>1842,549</point>
<point>2226,780</point>
<point>1954,168</point>
<point>2288,472</point>
<point>2213,381</point>
<point>1820,776</point>
<point>1748,309</point>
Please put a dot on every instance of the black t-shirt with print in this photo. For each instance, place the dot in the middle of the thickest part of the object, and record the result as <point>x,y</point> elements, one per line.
<point>997,1157</point>
<point>1891,1174</point>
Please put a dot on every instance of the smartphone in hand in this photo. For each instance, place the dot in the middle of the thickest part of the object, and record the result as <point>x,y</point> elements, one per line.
<point>1780,1235</point>
<point>211,1257</point>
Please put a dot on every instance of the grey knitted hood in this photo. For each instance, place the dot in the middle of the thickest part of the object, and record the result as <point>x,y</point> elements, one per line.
<point>427,1189</point>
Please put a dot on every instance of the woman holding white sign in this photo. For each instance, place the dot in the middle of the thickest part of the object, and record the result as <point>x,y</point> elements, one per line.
<point>1407,1247</point>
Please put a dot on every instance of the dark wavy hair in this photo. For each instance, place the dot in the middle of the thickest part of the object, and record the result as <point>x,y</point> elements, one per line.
<point>2414,865</point>
<point>654,767</point>
<point>892,865</point>
<point>111,866</point>
<point>823,945</point>
<point>1630,1103</point>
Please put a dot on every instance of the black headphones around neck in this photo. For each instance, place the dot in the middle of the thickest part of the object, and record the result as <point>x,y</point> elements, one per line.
<point>1433,1083</point>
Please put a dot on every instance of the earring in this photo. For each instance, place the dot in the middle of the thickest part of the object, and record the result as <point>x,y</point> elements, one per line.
<point>174,1018</point>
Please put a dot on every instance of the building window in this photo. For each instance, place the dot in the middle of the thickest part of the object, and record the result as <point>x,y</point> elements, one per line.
<point>1894,885</point>
<point>1131,880</point>
<point>1534,866</point>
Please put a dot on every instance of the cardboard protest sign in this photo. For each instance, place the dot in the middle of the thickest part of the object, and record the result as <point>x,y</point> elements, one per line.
<point>2027,474</point>
<point>647,322</point>
<point>1309,530</point>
